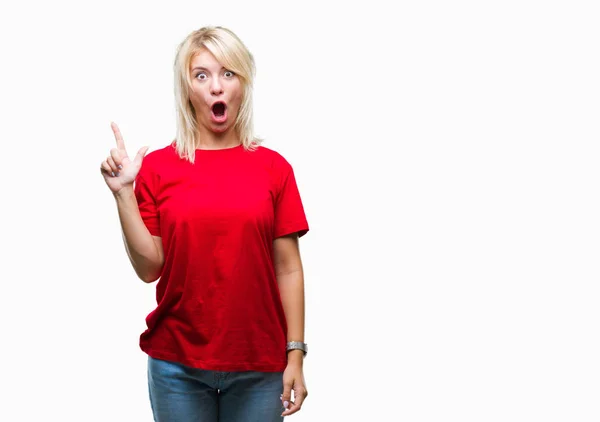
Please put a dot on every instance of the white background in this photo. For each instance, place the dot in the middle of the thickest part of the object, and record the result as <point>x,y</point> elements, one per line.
<point>446,153</point>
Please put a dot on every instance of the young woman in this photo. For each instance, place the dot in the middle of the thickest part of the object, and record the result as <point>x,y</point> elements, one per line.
<point>216,217</point>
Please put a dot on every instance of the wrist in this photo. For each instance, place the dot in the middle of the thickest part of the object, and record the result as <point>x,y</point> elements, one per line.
<point>124,192</point>
<point>295,357</point>
<point>296,351</point>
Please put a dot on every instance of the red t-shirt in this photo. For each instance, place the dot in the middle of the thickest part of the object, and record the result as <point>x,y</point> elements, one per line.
<point>218,304</point>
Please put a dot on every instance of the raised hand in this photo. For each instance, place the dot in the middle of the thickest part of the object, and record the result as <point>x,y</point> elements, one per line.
<point>118,169</point>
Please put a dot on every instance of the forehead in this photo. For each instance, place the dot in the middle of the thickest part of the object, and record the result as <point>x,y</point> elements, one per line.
<point>205,59</point>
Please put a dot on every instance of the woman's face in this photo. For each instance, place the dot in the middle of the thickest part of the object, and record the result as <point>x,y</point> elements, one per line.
<point>216,92</point>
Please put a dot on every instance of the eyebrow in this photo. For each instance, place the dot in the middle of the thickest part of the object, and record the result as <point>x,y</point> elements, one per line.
<point>203,68</point>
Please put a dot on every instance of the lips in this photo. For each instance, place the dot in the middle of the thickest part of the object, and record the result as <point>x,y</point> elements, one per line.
<point>219,111</point>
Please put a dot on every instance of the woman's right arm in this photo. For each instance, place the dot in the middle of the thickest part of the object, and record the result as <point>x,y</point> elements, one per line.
<point>144,250</point>
<point>119,171</point>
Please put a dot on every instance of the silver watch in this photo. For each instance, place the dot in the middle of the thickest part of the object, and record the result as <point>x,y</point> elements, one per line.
<point>297,345</point>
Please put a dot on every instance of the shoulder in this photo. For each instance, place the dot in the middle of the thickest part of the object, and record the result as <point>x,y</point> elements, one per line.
<point>160,154</point>
<point>155,160</point>
<point>273,158</point>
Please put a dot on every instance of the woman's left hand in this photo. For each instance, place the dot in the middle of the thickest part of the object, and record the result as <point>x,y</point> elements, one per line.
<point>293,379</point>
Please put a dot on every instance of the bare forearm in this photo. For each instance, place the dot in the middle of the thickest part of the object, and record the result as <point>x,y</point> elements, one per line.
<point>291,290</point>
<point>143,253</point>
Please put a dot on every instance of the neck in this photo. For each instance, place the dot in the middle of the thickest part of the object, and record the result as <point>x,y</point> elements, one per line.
<point>211,140</point>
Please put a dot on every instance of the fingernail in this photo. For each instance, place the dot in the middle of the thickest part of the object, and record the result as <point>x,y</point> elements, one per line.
<point>286,404</point>
<point>120,167</point>
<point>118,173</point>
<point>112,172</point>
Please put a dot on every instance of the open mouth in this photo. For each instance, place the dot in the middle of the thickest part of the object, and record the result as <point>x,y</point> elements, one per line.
<point>219,108</point>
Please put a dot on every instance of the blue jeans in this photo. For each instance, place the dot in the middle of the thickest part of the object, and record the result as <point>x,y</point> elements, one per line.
<point>179,393</point>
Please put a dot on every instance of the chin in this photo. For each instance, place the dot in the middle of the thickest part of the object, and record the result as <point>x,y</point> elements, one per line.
<point>220,129</point>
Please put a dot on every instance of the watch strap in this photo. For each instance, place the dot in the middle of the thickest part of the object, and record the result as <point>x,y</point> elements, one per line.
<point>297,345</point>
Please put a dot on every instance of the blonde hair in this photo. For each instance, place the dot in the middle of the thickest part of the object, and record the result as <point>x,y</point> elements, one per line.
<point>231,52</point>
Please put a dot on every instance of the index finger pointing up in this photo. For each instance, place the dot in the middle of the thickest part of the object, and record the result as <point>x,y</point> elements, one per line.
<point>118,136</point>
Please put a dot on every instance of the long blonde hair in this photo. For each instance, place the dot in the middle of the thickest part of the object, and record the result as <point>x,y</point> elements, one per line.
<point>231,52</point>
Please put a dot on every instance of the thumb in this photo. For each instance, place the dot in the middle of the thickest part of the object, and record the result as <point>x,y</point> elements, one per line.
<point>287,393</point>
<point>140,155</point>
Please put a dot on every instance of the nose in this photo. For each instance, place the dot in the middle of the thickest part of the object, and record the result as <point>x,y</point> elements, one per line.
<point>216,88</point>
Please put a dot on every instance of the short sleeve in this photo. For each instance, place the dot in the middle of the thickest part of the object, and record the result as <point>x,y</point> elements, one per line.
<point>146,200</point>
<point>289,211</point>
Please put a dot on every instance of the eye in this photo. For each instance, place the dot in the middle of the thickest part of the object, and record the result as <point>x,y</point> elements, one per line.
<point>229,74</point>
<point>201,74</point>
